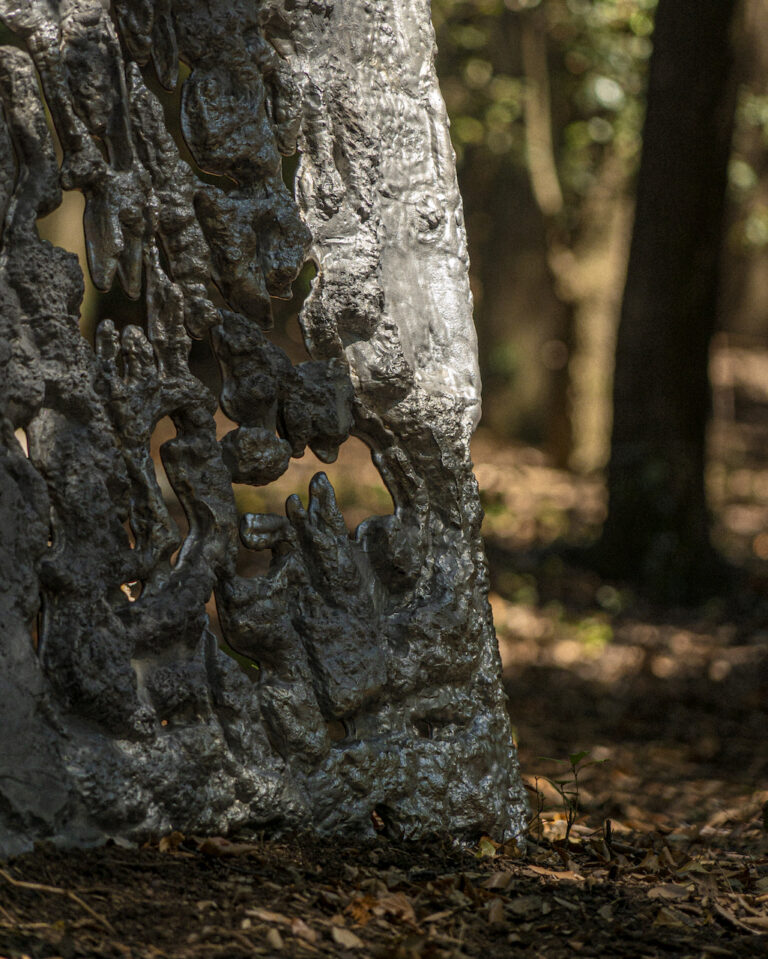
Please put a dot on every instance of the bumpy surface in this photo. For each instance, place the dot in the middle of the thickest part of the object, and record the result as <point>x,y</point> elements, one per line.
<point>120,715</point>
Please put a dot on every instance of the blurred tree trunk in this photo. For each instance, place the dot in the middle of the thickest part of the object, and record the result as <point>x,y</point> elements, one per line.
<point>657,531</point>
<point>524,326</point>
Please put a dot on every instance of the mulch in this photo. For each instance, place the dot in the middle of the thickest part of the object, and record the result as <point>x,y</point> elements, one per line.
<point>643,894</point>
<point>664,854</point>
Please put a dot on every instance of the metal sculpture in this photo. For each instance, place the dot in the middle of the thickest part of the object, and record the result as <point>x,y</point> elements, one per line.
<point>124,718</point>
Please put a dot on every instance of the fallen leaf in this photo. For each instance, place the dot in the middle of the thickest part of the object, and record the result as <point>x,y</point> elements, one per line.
<point>395,904</point>
<point>605,912</point>
<point>221,847</point>
<point>495,911</point>
<point>568,905</point>
<point>513,849</point>
<point>668,890</point>
<point>301,930</point>
<point>650,863</point>
<point>556,874</point>
<point>525,905</point>
<point>667,916</point>
<point>498,880</point>
<point>694,866</point>
<point>437,916</point>
<point>266,915</point>
<point>346,938</point>
<point>171,842</point>
<point>360,909</point>
<point>274,939</point>
<point>486,848</point>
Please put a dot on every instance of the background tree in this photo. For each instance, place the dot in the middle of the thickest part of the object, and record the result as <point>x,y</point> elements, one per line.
<point>657,529</point>
<point>546,105</point>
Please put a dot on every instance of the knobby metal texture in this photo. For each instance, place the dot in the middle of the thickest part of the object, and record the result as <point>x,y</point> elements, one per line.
<point>122,717</point>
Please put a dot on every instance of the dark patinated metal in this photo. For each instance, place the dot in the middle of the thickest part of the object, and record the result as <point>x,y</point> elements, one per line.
<point>125,718</point>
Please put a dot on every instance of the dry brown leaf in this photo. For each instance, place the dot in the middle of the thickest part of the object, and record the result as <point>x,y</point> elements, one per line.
<point>694,866</point>
<point>221,847</point>
<point>171,842</point>
<point>706,886</point>
<point>525,905</point>
<point>498,880</point>
<point>395,904</point>
<point>495,911</point>
<point>667,856</point>
<point>650,863</point>
<point>437,916</point>
<point>667,916</point>
<point>274,939</point>
<point>513,849</point>
<point>565,902</point>
<point>360,909</point>
<point>556,874</point>
<point>668,890</point>
<point>346,938</point>
<point>301,930</point>
<point>266,915</point>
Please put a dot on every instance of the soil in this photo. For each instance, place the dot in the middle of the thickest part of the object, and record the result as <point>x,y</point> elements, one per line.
<point>654,843</point>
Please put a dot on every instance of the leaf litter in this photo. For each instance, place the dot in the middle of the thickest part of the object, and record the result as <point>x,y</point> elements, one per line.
<point>667,834</point>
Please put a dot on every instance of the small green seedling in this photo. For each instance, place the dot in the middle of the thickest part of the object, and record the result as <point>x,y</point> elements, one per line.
<point>568,789</point>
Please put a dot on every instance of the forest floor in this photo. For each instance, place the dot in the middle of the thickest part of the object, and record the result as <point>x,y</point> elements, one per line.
<point>665,712</point>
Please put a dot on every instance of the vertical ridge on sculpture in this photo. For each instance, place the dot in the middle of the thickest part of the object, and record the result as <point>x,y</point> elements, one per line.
<point>126,719</point>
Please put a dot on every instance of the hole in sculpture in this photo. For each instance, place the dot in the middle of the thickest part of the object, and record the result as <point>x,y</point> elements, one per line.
<point>129,534</point>
<point>383,821</point>
<point>422,727</point>
<point>204,365</point>
<point>36,626</point>
<point>288,167</point>
<point>337,731</point>
<point>64,228</point>
<point>164,431</point>
<point>286,332</point>
<point>360,492</point>
<point>21,439</point>
<point>132,590</point>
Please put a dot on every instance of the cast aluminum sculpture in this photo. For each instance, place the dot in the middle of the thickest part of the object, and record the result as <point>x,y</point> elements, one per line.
<point>124,718</point>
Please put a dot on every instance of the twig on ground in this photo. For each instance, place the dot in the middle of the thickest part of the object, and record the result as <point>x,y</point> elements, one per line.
<point>57,891</point>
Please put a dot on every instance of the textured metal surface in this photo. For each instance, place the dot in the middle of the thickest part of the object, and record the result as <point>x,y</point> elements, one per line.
<point>124,718</point>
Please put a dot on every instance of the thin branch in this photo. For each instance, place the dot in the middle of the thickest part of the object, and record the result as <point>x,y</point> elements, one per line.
<point>57,891</point>
<point>538,118</point>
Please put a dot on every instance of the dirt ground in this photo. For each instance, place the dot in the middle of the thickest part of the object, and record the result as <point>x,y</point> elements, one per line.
<point>664,713</point>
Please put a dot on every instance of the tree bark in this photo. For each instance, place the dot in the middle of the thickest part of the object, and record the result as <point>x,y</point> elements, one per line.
<point>657,531</point>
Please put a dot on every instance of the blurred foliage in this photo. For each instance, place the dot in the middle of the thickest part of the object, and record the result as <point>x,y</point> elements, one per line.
<point>597,53</point>
<point>746,172</point>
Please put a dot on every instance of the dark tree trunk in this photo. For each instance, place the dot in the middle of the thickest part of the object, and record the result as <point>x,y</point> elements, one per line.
<point>657,531</point>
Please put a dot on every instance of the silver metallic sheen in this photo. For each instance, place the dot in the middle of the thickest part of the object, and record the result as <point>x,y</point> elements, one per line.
<point>378,688</point>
